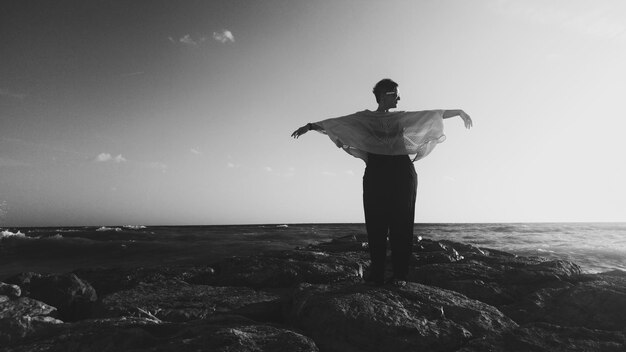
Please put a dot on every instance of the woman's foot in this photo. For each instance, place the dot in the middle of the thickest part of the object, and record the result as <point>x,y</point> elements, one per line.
<point>372,280</point>
<point>397,281</point>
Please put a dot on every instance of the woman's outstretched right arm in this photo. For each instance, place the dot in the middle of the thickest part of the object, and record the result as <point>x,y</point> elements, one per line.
<point>304,129</point>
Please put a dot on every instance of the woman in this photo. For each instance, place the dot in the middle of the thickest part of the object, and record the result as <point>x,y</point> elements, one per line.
<point>389,143</point>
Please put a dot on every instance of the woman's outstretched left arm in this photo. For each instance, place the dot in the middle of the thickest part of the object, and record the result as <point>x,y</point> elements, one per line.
<point>452,113</point>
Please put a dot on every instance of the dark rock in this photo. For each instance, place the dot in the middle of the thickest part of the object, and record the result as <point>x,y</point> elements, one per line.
<point>432,252</point>
<point>473,279</point>
<point>23,280</point>
<point>25,306</point>
<point>350,243</point>
<point>498,280</point>
<point>198,277</point>
<point>354,317</point>
<point>110,280</point>
<point>9,290</point>
<point>596,303</point>
<point>24,317</point>
<point>541,337</point>
<point>223,333</point>
<point>454,301</point>
<point>470,251</point>
<point>73,297</point>
<point>177,301</point>
<point>554,270</point>
<point>286,268</point>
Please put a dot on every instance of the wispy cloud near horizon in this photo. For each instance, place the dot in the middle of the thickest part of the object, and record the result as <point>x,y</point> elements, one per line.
<point>224,36</point>
<point>105,157</point>
<point>10,94</point>
<point>187,39</point>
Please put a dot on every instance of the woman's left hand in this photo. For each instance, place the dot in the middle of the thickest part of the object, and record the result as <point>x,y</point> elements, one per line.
<point>466,119</point>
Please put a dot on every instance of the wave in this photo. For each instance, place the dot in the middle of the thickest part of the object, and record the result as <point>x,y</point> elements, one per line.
<point>134,227</point>
<point>104,228</point>
<point>8,234</point>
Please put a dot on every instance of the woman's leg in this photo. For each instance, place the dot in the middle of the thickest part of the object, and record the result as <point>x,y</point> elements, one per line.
<point>377,225</point>
<point>402,223</point>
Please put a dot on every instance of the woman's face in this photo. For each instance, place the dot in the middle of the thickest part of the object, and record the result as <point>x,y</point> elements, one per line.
<point>390,99</point>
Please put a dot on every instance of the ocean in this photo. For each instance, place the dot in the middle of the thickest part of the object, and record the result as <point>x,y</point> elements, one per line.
<point>596,247</point>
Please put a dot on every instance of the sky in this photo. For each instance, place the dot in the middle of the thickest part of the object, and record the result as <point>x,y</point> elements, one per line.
<point>180,112</point>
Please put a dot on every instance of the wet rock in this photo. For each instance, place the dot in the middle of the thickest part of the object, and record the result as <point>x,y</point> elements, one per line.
<point>598,302</point>
<point>354,317</point>
<point>223,333</point>
<point>470,251</point>
<point>177,301</point>
<point>285,269</point>
<point>498,280</point>
<point>349,243</point>
<point>23,280</point>
<point>24,317</point>
<point>542,337</point>
<point>73,297</point>
<point>554,270</point>
<point>10,291</point>
<point>432,252</point>
<point>110,280</point>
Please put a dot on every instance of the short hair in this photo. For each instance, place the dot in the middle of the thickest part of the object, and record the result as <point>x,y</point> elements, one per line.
<point>383,86</point>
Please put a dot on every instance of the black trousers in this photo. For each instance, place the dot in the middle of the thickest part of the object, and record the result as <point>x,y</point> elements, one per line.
<point>389,193</point>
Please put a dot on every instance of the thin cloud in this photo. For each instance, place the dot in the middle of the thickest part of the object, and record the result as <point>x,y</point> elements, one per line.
<point>224,36</point>
<point>291,171</point>
<point>12,162</point>
<point>9,94</point>
<point>158,166</point>
<point>187,39</point>
<point>195,151</point>
<point>103,157</point>
<point>106,157</point>
<point>596,21</point>
<point>132,74</point>
<point>119,159</point>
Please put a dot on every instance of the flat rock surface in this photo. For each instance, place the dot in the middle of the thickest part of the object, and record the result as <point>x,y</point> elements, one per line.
<point>598,302</point>
<point>177,301</point>
<point>542,337</point>
<point>287,268</point>
<point>219,334</point>
<point>349,317</point>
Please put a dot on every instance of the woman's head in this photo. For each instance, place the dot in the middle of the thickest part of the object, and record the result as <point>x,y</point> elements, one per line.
<point>386,93</point>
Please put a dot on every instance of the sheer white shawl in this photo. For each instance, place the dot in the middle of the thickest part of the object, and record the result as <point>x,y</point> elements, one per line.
<point>414,133</point>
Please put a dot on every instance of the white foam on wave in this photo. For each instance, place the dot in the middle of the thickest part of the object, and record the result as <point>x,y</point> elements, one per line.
<point>134,227</point>
<point>104,228</point>
<point>7,234</point>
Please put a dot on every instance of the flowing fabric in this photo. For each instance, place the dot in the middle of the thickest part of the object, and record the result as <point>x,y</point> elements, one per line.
<point>414,133</point>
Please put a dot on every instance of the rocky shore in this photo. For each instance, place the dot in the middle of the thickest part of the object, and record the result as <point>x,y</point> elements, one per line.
<point>459,298</point>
